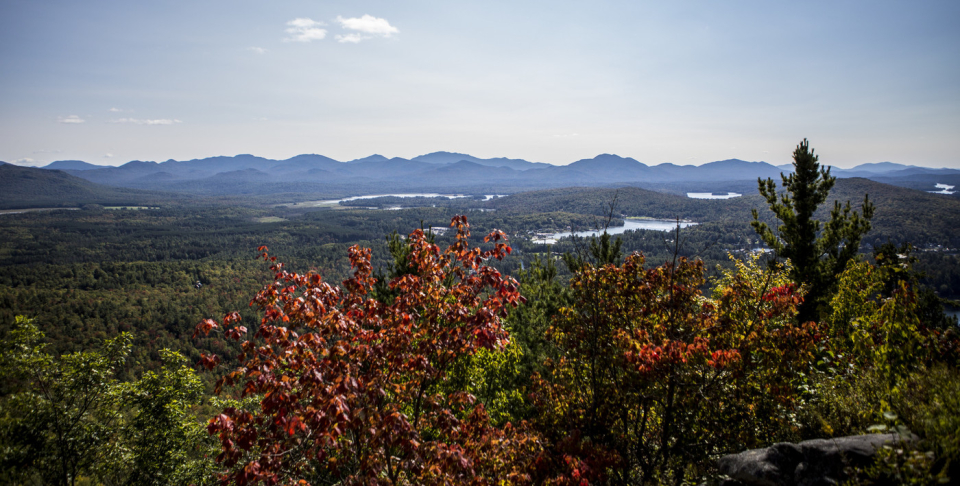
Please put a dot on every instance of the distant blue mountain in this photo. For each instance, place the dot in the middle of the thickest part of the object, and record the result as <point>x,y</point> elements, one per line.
<point>71,165</point>
<point>469,172</point>
<point>137,165</point>
<point>881,167</point>
<point>605,167</point>
<point>371,158</point>
<point>386,168</point>
<point>220,164</point>
<point>447,169</point>
<point>613,168</point>
<point>453,157</point>
<point>735,169</point>
<point>444,158</point>
<point>243,175</point>
<point>609,162</point>
<point>304,162</point>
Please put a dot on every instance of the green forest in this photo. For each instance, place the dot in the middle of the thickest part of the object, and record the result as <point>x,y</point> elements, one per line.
<point>202,341</point>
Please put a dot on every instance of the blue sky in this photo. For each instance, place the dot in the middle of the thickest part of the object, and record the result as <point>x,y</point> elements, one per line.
<point>549,81</point>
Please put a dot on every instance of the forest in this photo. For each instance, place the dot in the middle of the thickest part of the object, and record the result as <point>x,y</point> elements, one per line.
<point>207,342</point>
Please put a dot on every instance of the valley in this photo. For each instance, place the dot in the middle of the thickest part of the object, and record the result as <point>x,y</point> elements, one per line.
<point>94,267</point>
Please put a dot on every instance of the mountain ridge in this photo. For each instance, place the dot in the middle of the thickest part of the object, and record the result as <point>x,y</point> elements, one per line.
<point>27,187</point>
<point>451,169</point>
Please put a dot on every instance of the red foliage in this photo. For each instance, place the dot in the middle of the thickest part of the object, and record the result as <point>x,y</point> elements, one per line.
<point>652,377</point>
<point>348,386</point>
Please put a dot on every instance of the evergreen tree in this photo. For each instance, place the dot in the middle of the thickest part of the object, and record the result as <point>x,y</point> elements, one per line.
<point>603,250</point>
<point>819,251</point>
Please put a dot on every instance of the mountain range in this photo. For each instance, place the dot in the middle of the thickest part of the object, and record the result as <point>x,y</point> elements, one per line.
<point>441,170</point>
<point>307,173</point>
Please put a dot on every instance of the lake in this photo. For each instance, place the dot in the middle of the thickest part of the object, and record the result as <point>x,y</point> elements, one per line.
<point>334,202</point>
<point>629,224</point>
<point>20,211</point>
<point>944,189</point>
<point>710,195</point>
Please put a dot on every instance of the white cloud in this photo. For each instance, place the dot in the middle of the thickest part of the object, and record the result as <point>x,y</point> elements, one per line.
<point>308,30</point>
<point>107,155</point>
<point>70,119</point>
<point>258,50</point>
<point>305,30</point>
<point>23,161</point>
<point>352,38</point>
<point>115,110</point>
<point>138,121</point>
<point>367,24</point>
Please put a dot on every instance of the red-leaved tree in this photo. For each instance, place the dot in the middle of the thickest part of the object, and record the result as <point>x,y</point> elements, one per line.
<point>348,386</point>
<point>653,378</point>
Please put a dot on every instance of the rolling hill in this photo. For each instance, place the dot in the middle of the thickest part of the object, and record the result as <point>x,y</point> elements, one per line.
<point>28,187</point>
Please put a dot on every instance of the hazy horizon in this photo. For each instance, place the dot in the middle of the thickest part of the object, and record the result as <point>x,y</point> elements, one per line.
<point>687,83</point>
<point>118,164</point>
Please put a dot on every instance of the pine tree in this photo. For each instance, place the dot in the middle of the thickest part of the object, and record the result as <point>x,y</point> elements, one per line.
<point>819,251</point>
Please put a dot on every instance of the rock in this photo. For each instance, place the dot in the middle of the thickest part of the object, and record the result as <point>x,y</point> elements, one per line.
<point>809,463</point>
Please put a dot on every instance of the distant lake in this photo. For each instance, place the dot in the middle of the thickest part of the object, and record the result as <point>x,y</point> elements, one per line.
<point>20,211</point>
<point>710,195</point>
<point>629,224</point>
<point>334,202</point>
<point>944,189</point>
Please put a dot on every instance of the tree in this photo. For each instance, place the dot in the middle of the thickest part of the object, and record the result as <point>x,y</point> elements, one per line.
<point>68,420</point>
<point>165,442</point>
<point>61,422</point>
<point>603,248</point>
<point>819,252</point>
<point>351,389</point>
<point>880,319</point>
<point>891,359</point>
<point>652,379</point>
<point>545,294</point>
<point>896,264</point>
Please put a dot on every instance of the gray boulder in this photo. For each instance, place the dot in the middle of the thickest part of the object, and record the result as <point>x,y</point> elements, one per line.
<point>809,463</point>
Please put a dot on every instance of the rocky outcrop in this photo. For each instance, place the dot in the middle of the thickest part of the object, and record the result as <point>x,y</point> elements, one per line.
<point>809,463</point>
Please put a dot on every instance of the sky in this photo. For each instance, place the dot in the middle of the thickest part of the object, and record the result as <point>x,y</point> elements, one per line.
<point>547,81</point>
